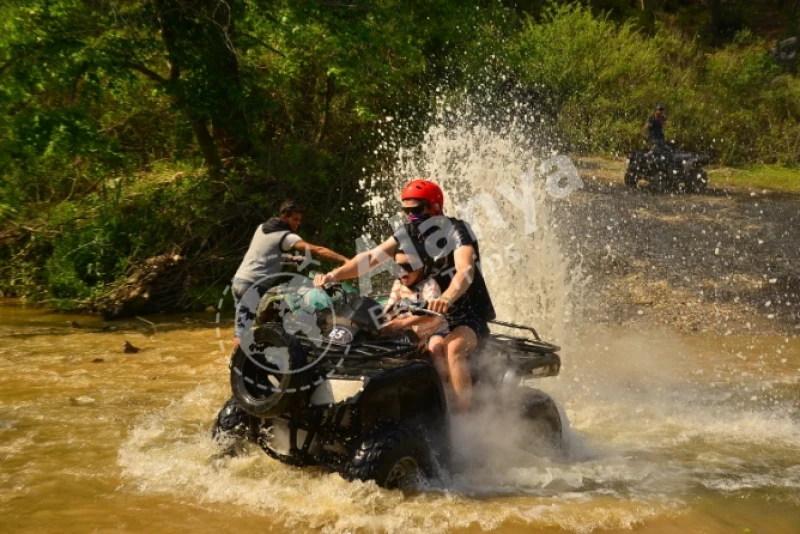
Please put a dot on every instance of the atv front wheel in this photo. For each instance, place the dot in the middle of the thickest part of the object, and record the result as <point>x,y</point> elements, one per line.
<point>265,441</point>
<point>393,456</point>
<point>232,422</point>
<point>263,381</point>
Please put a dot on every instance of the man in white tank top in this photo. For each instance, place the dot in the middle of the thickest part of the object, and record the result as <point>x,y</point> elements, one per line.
<point>270,242</point>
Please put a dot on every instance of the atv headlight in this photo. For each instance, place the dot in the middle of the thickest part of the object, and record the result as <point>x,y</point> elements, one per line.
<point>336,390</point>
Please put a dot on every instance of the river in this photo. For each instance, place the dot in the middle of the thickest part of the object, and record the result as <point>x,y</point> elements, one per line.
<point>669,434</point>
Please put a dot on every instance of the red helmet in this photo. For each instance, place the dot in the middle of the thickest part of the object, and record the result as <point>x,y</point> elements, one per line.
<point>427,191</point>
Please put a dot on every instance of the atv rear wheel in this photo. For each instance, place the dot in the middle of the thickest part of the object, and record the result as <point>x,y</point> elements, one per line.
<point>697,182</point>
<point>541,414</point>
<point>393,456</point>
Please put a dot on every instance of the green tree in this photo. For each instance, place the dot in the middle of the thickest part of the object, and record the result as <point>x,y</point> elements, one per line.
<point>274,98</point>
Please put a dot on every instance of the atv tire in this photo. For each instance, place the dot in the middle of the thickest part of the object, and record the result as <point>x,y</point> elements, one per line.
<point>630,178</point>
<point>231,422</point>
<point>259,387</point>
<point>540,411</point>
<point>697,182</point>
<point>263,441</point>
<point>393,456</point>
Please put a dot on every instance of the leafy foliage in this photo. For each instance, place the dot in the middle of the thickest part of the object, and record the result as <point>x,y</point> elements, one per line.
<point>108,110</point>
<point>136,128</point>
<point>604,79</point>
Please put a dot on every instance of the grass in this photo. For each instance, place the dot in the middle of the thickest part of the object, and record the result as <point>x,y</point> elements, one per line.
<point>773,177</point>
<point>769,177</point>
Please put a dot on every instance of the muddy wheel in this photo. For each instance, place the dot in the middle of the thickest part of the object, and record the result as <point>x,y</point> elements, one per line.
<point>392,456</point>
<point>697,182</point>
<point>232,422</point>
<point>264,379</point>
<point>630,178</point>
<point>265,441</point>
<point>543,419</point>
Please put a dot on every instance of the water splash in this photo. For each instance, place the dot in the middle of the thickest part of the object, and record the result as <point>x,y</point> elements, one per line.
<point>487,157</point>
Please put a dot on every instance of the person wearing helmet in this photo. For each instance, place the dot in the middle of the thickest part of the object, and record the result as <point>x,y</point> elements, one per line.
<point>453,247</point>
<point>653,129</point>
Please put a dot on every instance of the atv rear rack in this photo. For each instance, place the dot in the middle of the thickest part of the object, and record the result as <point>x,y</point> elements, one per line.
<point>520,327</point>
<point>521,344</point>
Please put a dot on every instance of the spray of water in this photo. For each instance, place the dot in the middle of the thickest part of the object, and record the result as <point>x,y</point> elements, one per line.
<point>488,159</point>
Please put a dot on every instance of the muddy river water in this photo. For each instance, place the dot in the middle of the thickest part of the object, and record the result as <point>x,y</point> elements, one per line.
<point>668,434</point>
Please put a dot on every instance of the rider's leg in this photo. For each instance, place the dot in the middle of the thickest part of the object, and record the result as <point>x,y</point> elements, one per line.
<point>238,288</point>
<point>436,348</point>
<point>458,345</point>
<point>243,315</point>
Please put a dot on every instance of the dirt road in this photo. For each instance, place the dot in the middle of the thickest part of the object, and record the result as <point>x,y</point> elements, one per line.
<point>727,261</point>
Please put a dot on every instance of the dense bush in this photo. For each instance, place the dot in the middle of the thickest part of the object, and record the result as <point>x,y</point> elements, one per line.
<point>604,79</point>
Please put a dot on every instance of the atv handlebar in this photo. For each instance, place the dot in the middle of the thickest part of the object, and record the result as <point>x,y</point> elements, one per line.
<point>425,311</point>
<point>414,308</point>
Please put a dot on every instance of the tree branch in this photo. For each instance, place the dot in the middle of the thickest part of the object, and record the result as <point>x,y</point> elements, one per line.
<point>340,4</point>
<point>265,45</point>
<point>24,54</point>
<point>10,63</point>
<point>156,77</point>
<point>329,92</point>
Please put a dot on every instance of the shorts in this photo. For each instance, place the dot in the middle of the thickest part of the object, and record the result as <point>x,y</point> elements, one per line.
<point>476,324</point>
<point>441,333</point>
<point>244,316</point>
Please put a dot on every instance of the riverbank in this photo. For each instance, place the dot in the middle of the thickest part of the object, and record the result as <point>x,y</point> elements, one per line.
<point>727,261</point>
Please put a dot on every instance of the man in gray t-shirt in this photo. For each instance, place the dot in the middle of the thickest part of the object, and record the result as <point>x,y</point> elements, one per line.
<point>270,242</point>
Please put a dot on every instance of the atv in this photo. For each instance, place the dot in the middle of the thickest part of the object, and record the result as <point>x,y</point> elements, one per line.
<point>668,170</point>
<point>317,384</point>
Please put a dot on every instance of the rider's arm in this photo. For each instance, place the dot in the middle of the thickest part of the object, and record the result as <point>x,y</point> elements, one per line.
<point>646,129</point>
<point>465,270</point>
<point>464,259</point>
<point>399,324</point>
<point>359,264</point>
<point>319,252</point>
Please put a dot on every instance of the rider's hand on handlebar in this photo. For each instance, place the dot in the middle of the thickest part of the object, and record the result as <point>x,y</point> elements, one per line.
<point>440,305</point>
<point>322,280</point>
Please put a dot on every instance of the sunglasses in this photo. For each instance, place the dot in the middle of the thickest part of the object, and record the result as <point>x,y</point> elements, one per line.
<point>419,209</point>
<point>401,269</point>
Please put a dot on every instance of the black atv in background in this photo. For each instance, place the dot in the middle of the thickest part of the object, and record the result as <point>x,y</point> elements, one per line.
<point>366,406</point>
<point>668,170</point>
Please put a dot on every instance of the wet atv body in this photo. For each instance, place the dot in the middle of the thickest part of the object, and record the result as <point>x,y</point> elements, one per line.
<point>668,170</point>
<point>366,406</point>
